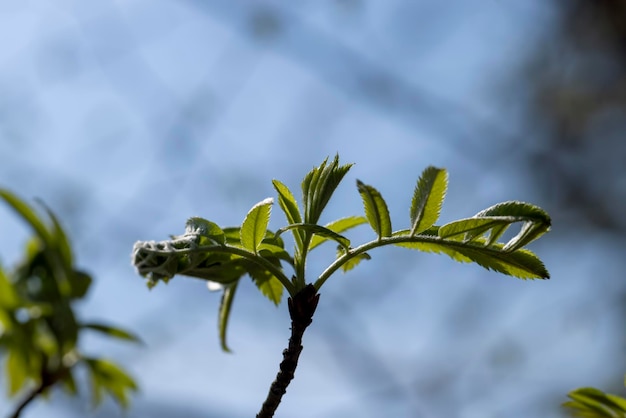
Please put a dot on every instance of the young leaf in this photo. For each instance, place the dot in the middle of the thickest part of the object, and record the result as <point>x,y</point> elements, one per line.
<point>255,225</point>
<point>8,295</point>
<point>590,402</point>
<point>287,203</point>
<point>109,377</point>
<point>204,228</point>
<point>319,185</point>
<point>61,242</point>
<point>376,210</point>
<point>428,198</point>
<point>521,263</point>
<point>113,332</point>
<point>28,214</point>
<point>337,226</point>
<point>224,313</point>
<point>269,285</point>
<point>535,222</point>
<point>318,231</point>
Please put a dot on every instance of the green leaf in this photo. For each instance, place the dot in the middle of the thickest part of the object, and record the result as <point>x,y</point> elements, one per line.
<point>337,226</point>
<point>269,285</point>
<point>288,204</point>
<point>255,225</point>
<point>376,210</point>
<point>224,312</point>
<point>204,228</point>
<point>79,283</point>
<point>428,198</point>
<point>107,377</point>
<point>8,296</point>
<point>27,213</point>
<point>59,240</point>
<point>319,185</point>
<point>590,402</point>
<point>535,222</point>
<point>318,230</point>
<point>17,372</point>
<point>112,332</point>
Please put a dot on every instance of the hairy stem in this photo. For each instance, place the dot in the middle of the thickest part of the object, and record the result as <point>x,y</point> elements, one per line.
<point>301,309</point>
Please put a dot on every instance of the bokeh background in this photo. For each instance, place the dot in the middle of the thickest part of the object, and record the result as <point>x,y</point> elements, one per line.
<point>127,117</point>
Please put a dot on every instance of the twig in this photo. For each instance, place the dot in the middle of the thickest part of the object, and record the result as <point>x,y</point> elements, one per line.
<point>301,309</point>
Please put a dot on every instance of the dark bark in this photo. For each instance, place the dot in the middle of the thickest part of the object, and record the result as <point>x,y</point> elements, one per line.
<point>301,309</point>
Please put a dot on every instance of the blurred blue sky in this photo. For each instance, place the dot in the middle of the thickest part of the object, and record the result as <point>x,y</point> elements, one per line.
<point>127,118</point>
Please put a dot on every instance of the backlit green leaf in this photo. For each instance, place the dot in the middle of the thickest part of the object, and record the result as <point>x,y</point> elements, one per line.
<point>376,210</point>
<point>255,224</point>
<point>521,263</point>
<point>28,214</point>
<point>269,285</point>
<point>224,312</point>
<point>319,185</point>
<point>16,371</point>
<point>110,378</point>
<point>337,226</point>
<point>535,222</point>
<point>428,198</point>
<point>591,402</point>
<point>8,295</point>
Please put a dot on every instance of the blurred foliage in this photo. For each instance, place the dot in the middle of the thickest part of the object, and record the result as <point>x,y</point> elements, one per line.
<point>593,403</point>
<point>39,329</point>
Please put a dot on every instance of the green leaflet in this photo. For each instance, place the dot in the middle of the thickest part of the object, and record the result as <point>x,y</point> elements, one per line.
<point>255,224</point>
<point>111,331</point>
<point>107,377</point>
<point>8,296</point>
<point>590,402</point>
<point>28,214</point>
<point>288,204</point>
<point>520,263</point>
<point>376,210</point>
<point>224,312</point>
<point>319,231</point>
<point>337,226</point>
<point>428,198</point>
<point>319,185</point>
<point>497,219</point>
<point>269,285</point>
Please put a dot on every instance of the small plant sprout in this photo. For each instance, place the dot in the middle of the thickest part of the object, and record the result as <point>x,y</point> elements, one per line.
<point>224,255</point>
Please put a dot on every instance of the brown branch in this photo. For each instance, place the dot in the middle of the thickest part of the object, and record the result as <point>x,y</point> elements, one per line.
<point>301,309</point>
